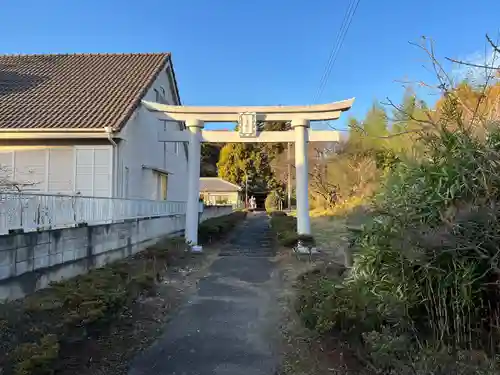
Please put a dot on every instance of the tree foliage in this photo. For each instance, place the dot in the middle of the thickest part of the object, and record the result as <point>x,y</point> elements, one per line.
<point>239,161</point>
<point>209,158</point>
<point>422,292</point>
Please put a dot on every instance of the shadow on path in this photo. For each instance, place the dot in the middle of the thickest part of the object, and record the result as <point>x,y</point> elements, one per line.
<point>231,324</point>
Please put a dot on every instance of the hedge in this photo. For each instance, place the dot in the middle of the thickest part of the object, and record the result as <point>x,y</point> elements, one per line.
<point>216,228</point>
<point>284,228</point>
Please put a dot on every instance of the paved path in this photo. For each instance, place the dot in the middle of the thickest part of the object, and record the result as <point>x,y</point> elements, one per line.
<point>231,325</point>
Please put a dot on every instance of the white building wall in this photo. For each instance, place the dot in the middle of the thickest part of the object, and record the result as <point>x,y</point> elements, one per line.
<point>139,147</point>
<point>84,170</point>
<point>93,170</point>
<point>60,171</point>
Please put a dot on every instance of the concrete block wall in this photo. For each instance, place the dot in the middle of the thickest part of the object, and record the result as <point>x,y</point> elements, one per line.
<point>30,261</point>
<point>215,211</point>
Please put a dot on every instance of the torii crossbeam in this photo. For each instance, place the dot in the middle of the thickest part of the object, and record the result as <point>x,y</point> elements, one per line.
<point>247,117</point>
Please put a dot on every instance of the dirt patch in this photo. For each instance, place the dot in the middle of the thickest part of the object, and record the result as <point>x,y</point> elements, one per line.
<point>94,323</point>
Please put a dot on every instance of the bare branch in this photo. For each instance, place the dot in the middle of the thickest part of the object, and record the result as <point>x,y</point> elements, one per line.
<point>493,45</point>
<point>7,184</point>
<point>419,83</point>
<point>482,66</point>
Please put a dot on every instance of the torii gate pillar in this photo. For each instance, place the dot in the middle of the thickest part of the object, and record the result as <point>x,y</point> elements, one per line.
<point>301,175</point>
<point>194,154</point>
<point>299,116</point>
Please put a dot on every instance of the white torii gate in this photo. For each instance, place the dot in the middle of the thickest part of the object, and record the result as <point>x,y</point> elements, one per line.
<point>247,117</point>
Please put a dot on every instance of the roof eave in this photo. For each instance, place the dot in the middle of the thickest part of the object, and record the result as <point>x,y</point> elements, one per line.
<point>54,133</point>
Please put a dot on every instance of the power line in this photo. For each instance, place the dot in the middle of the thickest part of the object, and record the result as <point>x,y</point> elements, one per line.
<point>344,28</point>
<point>334,49</point>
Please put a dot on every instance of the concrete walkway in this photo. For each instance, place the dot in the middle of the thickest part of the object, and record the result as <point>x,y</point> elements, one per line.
<point>231,325</point>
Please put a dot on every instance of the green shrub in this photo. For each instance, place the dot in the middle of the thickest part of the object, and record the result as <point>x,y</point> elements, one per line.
<point>426,267</point>
<point>430,252</point>
<point>398,354</point>
<point>216,228</point>
<point>284,228</point>
<point>434,241</point>
<point>73,310</point>
<point>287,239</point>
<point>143,282</point>
<point>36,358</point>
<point>330,304</point>
<point>272,201</point>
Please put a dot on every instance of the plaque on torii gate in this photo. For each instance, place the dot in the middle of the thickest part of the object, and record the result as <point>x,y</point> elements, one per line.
<point>248,125</point>
<point>247,118</point>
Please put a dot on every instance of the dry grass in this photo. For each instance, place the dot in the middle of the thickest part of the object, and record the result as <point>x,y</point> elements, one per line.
<point>343,208</point>
<point>331,235</point>
<point>305,352</point>
<point>330,228</point>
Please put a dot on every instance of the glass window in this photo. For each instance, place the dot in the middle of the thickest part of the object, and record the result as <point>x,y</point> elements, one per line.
<point>163,186</point>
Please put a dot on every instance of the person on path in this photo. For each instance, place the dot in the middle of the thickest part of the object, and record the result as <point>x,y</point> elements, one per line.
<point>253,204</point>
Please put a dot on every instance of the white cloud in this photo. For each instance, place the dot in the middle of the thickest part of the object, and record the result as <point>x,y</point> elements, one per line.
<point>477,75</point>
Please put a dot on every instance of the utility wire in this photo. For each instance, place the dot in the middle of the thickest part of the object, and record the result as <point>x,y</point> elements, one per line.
<point>333,49</point>
<point>344,28</point>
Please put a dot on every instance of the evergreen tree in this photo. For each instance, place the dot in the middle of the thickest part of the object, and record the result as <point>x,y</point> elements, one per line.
<point>239,160</point>
<point>375,128</point>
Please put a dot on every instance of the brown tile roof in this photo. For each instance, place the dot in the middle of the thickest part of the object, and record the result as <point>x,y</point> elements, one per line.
<point>216,184</point>
<point>77,91</point>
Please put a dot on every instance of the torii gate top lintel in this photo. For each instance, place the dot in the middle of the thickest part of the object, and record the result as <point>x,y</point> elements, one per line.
<point>317,112</point>
<point>247,117</point>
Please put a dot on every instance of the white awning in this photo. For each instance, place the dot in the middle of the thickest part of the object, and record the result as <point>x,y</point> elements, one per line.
<point>156,169</point>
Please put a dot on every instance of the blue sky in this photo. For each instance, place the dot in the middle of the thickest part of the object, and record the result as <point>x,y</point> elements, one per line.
<point>260,52</point>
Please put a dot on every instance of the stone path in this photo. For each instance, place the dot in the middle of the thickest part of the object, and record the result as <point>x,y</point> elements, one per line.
<point>231,325</point>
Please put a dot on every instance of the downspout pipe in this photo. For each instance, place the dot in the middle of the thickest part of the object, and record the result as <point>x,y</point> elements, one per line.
<point>109,132</point>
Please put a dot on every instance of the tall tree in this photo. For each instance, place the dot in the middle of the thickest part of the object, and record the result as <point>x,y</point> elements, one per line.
<point>356,135</point>
<point>404,123</point>
<point>209,158</point>
<point>239,161</point>
<point>375,128</point>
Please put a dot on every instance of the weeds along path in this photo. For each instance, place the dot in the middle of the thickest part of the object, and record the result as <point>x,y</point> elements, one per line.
<point>305,352</point>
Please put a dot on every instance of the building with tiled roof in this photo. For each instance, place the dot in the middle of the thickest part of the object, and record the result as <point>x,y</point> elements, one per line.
<point>74,124</point>
<point>215,190</point>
